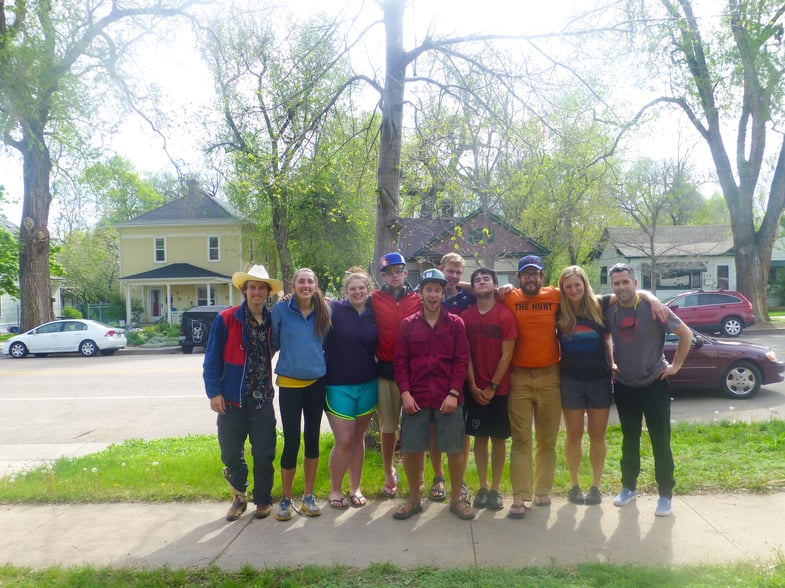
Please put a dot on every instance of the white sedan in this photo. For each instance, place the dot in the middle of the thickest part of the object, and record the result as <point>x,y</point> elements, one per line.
<point>65,336</point>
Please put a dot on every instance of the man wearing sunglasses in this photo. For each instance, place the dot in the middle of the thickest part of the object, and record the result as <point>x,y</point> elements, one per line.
<point>641,388</point>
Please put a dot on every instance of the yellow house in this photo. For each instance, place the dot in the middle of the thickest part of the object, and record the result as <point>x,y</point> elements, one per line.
<point>180,255</point>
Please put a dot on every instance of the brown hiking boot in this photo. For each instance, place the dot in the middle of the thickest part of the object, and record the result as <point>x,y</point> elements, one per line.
<point>263,511</point>
<point>239,504</point>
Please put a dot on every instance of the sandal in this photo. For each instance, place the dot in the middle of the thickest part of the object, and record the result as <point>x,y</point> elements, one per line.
<point>390,490</point>
<point>541,500</point>
<point>517,511</point>
<point>358,500</point>
<point>437,493</point>
<point>339,503</point>
<point>406,510</point>
<point>462,509</point>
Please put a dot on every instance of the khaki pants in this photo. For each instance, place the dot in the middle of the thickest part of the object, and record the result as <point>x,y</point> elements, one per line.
<point>535,397</point>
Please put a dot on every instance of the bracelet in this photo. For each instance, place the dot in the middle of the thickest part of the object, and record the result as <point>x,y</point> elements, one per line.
<point>453,394</point>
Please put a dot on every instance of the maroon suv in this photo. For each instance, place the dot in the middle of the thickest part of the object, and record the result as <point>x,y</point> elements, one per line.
<point>714,311</point>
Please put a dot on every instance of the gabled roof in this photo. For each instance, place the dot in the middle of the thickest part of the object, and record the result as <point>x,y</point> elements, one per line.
<point>480,230</point>
<point>176,271</point>
<point>8,225</point>
<point>197,207</point>
<point>682,241</point>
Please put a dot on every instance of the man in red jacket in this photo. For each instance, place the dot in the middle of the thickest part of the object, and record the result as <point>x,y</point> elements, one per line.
<point>394,302</point>
<point>431,361</point>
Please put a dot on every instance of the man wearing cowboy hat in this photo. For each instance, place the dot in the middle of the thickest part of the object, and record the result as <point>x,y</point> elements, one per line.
<point>237,375</point>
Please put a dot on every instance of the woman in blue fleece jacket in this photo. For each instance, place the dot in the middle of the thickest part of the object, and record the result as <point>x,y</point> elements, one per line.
<point>300,326</point>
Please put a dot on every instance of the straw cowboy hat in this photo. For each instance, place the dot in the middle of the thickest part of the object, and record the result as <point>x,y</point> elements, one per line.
<point>257,273</point>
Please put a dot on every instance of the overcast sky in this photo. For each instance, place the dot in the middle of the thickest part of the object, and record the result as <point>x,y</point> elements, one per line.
<point>187,88</point>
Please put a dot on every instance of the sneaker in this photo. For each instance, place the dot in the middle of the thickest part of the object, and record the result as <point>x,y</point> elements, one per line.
<point>239,504</point>
<point>593,496</point>
<point>464,491</point>
<point>625,497</point>
<point>575,495</point>
<point>663,507</point>
<point>309,506</point>
<point>263,510</point>
<point>481,499</point>
<point>495,500</point>
<point>284,512</point>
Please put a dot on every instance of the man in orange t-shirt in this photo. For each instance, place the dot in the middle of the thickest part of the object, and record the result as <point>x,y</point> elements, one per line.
<point>535,390</point>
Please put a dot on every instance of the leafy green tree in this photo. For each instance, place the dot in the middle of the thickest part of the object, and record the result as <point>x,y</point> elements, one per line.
<point>725,69</point>
<point>9,263</point>
<point>55,60</point>
<point>277,90</point>
<point>91,264</point>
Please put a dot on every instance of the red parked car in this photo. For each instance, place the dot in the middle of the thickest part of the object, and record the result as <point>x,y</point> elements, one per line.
<point>735,368</point>
<point>714,311</point>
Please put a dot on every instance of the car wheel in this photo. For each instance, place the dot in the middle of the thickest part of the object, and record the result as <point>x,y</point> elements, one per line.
<point>188,349</point>
<point>88,348</point>
<point>108,351</point>
<point>732,326</point>
<point>17,350</point>
<point>741,380</point>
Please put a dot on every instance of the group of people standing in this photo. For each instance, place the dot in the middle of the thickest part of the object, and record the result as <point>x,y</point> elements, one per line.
<point>443,363</point>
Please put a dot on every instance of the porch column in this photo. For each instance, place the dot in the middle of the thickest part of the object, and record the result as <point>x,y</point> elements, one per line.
<point>127,306</point>
<point>168,303</point>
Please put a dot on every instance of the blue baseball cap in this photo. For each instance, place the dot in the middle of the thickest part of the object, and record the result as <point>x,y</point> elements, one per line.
<point>534,261</point>
<point>389,259</point>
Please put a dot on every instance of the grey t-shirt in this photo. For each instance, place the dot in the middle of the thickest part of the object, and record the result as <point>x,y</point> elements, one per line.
<point>638,341</point>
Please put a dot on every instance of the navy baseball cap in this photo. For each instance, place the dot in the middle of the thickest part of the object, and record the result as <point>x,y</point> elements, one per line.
<point>534,261</point>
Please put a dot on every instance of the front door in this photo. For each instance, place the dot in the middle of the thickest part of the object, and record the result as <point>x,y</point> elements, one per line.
<point>155,303</point>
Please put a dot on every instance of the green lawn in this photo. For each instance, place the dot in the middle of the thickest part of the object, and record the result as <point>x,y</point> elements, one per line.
<point>727,457</point>
<point>719,457</point>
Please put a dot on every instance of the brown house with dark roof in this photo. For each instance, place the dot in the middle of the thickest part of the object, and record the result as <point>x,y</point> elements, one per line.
<point>482,238</point>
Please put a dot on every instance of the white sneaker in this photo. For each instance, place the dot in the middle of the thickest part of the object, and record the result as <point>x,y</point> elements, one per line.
<point>625,497</point>
<point>663,507</point>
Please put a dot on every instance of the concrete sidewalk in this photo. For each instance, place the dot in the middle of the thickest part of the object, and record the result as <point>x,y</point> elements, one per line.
<point>712,529</point>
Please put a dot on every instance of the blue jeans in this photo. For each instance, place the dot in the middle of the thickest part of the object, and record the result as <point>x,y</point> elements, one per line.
<point>258,426</point>
<point>654,403</point>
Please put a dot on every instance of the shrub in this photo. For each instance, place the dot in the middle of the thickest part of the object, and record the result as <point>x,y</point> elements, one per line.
<point>70,312</point>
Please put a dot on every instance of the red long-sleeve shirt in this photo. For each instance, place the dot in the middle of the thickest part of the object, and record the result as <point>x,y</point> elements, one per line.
<point>430,361</point>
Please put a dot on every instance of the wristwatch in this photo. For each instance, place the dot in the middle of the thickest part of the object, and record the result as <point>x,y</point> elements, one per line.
<point>493,386</point>
<point>453,394</point>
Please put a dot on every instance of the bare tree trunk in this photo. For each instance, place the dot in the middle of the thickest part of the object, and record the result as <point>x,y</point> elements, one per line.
<point>34,234</point>
<point>389,174</point>
<point>281,236</point>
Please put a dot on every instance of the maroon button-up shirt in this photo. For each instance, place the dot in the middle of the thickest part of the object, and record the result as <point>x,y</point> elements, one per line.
<point>430,361</point>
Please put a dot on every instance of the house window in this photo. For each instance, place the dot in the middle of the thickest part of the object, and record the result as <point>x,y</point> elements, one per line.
<point>202,296</point>
<point>213,249</point>
<point>723,277</point>
<point>604,275</point>
<point>507,278</point>
<point>479,236</point>
<point>675,275</point>
<point>160,250</point>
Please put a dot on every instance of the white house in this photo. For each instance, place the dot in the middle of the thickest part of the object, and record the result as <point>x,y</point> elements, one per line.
<point>683,258</point>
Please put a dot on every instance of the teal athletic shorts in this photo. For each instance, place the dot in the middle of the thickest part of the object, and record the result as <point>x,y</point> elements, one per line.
<point>353,400</point>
